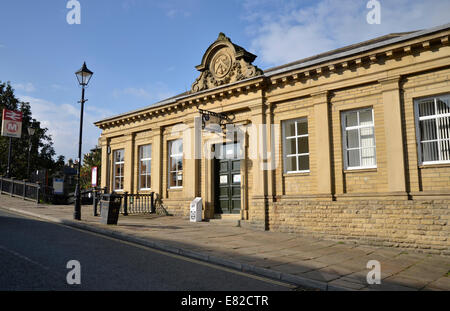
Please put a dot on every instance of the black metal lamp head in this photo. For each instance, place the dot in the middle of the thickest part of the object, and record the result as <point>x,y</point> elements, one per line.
<point>84,75</point>
<point>31,131</point>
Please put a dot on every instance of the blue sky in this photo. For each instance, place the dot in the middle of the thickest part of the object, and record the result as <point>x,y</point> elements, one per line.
<point>143,51</point>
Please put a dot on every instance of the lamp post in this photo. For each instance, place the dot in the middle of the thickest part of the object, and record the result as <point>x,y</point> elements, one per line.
<point>31,131</point>
<point>83,76</point>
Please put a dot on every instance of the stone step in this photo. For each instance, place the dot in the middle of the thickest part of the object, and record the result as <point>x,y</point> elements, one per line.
<point>229,220</point>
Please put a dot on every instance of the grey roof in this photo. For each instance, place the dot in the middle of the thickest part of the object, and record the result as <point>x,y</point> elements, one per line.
<point>310,61</point>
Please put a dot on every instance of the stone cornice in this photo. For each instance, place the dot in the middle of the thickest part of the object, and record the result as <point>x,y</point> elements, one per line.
<point>255,84</point>
<point>365,60</point>
<point>185,102</point>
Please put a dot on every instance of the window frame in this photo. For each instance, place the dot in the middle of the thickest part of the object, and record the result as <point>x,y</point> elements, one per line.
<point>297,155</point>
<point>170,156</point>
<point>149,160</point>
<point>434,117</point>
<point>358,127</point>
<point>122,164</point>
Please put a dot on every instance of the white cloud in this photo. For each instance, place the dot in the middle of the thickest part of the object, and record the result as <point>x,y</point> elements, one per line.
<point>58,87</point>
<point>26,87</point>
<point>63,123</point>
<point>150,94</point>
<point>286,32</point>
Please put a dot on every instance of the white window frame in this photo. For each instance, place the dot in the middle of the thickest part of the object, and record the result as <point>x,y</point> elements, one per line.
<point>296,154</point>
<point>122,164</point>
<point>434,117</point>
<point>170,156</point>
<point>141,160</point>
<point>357,127</point>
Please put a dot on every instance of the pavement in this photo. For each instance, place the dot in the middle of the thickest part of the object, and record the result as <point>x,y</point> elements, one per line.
<point>307,262</point>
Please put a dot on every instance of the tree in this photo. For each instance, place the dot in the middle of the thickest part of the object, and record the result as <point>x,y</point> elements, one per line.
<point>42,151</point>
<point>90,160</point>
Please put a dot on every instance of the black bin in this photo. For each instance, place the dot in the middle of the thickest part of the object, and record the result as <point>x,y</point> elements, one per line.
<point>110,207</point>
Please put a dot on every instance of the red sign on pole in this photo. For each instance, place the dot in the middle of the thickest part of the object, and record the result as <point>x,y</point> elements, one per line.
<point>12,123</point>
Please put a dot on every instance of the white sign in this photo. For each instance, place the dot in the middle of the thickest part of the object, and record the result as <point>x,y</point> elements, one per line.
<point>94,176</point>
<point>58,185</point>
<point>12,123</point>
<point>237,179</point>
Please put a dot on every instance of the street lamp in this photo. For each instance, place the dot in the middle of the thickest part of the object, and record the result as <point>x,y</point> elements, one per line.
<point>31,131</point>
<point>83,76</point>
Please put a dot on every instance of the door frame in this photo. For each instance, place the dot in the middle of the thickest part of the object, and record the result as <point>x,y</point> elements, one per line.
<point>208,174</point>
<point>230,186</point>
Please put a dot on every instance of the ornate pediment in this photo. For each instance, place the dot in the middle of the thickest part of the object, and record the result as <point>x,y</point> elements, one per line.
<point>224,62</point>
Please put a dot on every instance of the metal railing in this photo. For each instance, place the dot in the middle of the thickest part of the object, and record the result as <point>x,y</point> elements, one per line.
<point>137,203</point>
<point>21,189</point>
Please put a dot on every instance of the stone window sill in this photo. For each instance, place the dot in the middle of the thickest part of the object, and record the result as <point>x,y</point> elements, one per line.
<point>296,174</point>
<point>425,166</point>
<point>175,189</point>
<point>362,170</point>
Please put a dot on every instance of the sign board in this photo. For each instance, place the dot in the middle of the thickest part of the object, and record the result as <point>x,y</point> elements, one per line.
<point>212,124</point>
<point>212,121</point>
<point>196,210</point>
<point>12,123</point>
<point>94,176</point>
<point>58,185</point>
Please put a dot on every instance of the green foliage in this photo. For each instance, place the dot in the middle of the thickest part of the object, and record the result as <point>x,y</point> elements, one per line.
<point>42,151</point>
<point>90,160</point>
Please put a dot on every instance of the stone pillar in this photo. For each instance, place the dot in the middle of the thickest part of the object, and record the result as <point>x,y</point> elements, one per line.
<point>192,148</point>
<point>322,143</point>
<point>129,163</point>
<point>393,133</point>
<point>157,161</point>
<point>272,152</point>
<point>258,215</point>
<point>106,167</point>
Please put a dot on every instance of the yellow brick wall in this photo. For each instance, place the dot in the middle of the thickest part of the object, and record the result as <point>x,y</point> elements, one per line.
<point>358,181</point>
<point>417,225</point>
<point>296,183</point>
<point>426,84</point>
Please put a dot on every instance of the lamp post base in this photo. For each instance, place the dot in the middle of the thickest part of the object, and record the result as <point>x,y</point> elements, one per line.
<point>77,212</point>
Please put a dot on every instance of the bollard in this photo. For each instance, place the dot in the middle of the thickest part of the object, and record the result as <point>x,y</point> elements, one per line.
<point>125,203</point>
<point>152,203</point>
<point>12,186</point>
<point>38,191</point>
<point>24,188</point>
<point>95,201</point>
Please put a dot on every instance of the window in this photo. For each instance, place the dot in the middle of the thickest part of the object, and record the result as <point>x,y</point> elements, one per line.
<point>359,139</point>
<point>118,169</point>
<point>296,146</point>
<point>433,129</point>
<point>145,166</point>
<point>176,163</point>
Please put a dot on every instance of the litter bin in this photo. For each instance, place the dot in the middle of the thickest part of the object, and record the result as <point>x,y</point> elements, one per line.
<point>110,207</point>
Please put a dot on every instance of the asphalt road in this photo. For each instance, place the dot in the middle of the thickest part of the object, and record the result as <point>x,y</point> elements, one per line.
<point>34,255</point>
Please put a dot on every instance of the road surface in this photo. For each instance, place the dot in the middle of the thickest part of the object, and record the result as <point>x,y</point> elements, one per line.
<point>34,256</point>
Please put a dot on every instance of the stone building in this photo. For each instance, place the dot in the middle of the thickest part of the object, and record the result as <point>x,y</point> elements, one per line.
<point>352,144</point>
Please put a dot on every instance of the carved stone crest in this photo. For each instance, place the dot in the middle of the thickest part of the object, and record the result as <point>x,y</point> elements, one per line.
<point>224,62</point>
